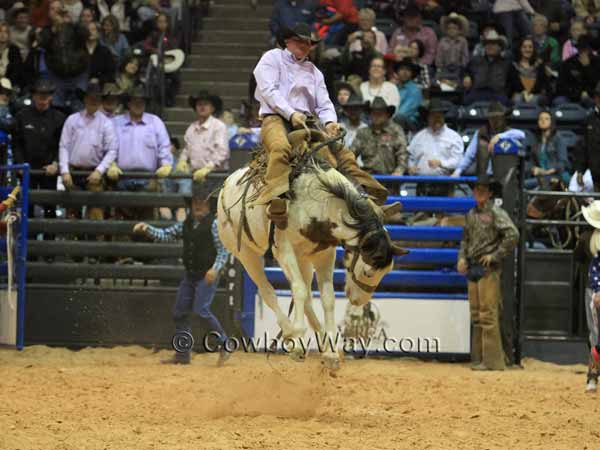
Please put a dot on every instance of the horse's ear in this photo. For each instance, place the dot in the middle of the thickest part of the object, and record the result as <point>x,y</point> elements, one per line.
<point>399,251</point>
<point>390,210</point>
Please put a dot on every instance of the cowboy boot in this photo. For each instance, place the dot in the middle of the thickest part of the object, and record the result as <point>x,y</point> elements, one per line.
<point>277,212</point>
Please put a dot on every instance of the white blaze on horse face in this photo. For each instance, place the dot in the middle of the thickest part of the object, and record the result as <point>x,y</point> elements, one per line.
<point>367,275</point>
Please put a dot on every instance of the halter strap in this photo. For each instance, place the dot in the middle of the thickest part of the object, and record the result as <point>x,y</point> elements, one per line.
<point>355,250</point>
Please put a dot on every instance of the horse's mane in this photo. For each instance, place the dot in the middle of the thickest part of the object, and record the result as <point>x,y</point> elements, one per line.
<point>365,218</point>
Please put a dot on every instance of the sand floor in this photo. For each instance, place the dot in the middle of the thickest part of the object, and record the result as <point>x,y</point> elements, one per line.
<point>122,399</point>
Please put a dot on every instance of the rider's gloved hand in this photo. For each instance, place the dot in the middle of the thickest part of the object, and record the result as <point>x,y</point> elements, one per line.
<point>298,120</point>
<point>333,129</point>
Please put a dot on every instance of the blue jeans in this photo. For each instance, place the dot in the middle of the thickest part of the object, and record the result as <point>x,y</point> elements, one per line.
<point>194,295</point>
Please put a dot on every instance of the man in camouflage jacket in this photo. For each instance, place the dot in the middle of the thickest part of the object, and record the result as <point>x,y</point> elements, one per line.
<point>381,146</point>
<point>488,236</point>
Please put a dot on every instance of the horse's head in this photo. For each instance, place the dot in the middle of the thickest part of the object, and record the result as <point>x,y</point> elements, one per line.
<point>367,262</point>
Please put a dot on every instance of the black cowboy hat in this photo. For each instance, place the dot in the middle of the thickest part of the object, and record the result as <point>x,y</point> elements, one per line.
<point>379,104</point>
<point>355,101</point>
<point>201,191</point>
<point>138,91</point>
<point>407,62</point>
<point>302,31</point>
<point>111,90</point>
<point>435,105</point>
<point>93,89</point>
<point>43,86</point>
<point>214,100</point>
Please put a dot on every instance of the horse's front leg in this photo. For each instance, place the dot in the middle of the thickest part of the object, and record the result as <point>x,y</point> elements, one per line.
<point>295,271</point>
<point>324,266</point>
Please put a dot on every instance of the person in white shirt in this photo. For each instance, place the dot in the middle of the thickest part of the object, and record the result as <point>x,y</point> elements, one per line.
<point>376,86</point>
<point>351,118</point>
<point>437,149</point>
<point>206,140</point>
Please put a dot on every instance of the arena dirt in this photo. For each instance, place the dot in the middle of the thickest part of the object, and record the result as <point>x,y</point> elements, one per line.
<point>123,399</point>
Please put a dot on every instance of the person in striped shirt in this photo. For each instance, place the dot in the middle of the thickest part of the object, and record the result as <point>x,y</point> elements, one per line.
<point>204,257</point>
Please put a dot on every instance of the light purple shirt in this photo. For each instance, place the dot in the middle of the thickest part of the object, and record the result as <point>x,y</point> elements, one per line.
<point>285,85</point>
<point>144,145</point>
<point>87,141</point>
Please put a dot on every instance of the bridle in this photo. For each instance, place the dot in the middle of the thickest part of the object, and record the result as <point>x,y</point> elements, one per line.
<point>355,251</point>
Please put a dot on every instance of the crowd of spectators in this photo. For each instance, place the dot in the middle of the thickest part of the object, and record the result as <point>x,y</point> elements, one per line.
<point>73,42</point>
<point>502,54</point>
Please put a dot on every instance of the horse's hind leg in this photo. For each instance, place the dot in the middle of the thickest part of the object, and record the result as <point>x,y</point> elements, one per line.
<point>254,265</point>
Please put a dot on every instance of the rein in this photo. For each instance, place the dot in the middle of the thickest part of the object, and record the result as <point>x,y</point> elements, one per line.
<point>355,250</point>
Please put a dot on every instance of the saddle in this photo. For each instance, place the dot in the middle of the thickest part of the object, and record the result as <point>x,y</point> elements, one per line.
<point>311,148</point>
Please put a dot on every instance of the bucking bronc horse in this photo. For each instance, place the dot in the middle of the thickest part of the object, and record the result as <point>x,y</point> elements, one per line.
<point>325,210</point>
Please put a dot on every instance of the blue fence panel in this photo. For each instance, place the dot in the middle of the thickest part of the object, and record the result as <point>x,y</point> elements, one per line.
<point>434,204</point>
<point>396,278</point>
<point>407,233</point>
<point>443,256</point>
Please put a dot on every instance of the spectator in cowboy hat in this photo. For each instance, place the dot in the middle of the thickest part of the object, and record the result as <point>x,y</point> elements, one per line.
<point>436,149</point>
<point>144,145</point>
<point>407,112</point>
<point>351,118</point>
<point>111,100</point>
<point>486,77</point>
<point>36,137</point>
<point>88,142</point>
<point>206,144</point>
<point>382,145</point>
<point>143,139</point>
<point>452,54</point>
<point>482,143</point>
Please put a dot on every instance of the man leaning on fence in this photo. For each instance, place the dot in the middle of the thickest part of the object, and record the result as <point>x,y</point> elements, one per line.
<point>488,237</point>
<point>36,138</point>
<point>144,146</point>
<point>89,143</point>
